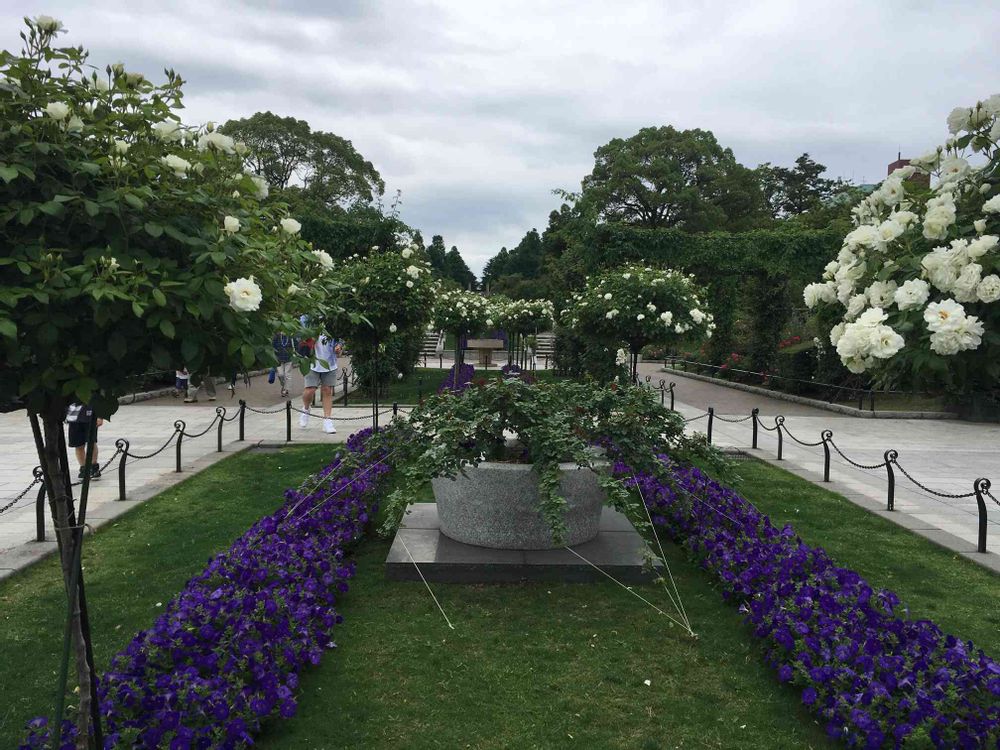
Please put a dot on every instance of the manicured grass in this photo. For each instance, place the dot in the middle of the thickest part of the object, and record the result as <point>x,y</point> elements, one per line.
<point>142,558</point>
<point>962,597</point>
<point>424,382</point>
<point>540,666</point>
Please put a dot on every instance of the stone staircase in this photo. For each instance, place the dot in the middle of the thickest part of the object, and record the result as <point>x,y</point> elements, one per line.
<point>545,348</point>
<point>432,340</point>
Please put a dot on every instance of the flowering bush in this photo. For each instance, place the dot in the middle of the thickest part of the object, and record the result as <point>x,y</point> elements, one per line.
<point>387,291</point>
<point>875,677</point>
<point>524,315</point>
<point>226,653</point>
<point>918,275</point>
<point>461,312</point>
<point>639,305</point>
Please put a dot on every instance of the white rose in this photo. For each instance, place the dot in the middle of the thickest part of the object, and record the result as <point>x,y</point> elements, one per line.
<point>667,317</point>
<point>293,289</point>
<point>992,105</point>
<point>216,141</point>
<point>413,271</point>
<point>75,124</point>
<point>167,130</point>
<point>610,314</point>
<point>836,332</point>
<point>813,294</point>
<point>871,317</point>
<point>904,218</point>
<point>945,343</point>
<point>855,305</point>
<point>260,185</point>
<point>640,316</point>
<point>607,295</point>
<point>626,276</point>
<point>882,293</point>
<point>967,283</point>
<point>992,206</point>
<point>392,328</point>
<point>958,120</point>
<point>651,307</point>
<point>989,288</point>
<point>946,315</point>
<point>979,225</point>
<point>954,169</point>
<point>889,230</point>
<point>697,315</point>
<point>407,253</point>
<point>48,24</point>
<point>120,146</point>
<point>244,295</point>
<point>57,110</point>
<point>231,224</point>
<point>409,285</point>
<point>323,258</point>
<point>176,164</point>
<point>912,293</point>
<point>937,221</point>
<point>884,342</point>
<point>290,225</point>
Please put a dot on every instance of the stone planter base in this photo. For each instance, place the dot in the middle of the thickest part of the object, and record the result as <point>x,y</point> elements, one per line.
<point>496,505</point>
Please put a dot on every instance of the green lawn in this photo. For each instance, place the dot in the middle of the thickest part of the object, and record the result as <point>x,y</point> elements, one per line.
<point>142,558</point>
<point>424,382</point>
<point>530,665</point>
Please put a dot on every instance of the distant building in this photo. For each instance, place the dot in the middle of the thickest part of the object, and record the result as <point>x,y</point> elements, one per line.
<point>919,178</point>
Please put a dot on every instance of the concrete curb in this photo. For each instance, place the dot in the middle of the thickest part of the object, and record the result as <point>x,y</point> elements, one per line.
<point>838,408</point>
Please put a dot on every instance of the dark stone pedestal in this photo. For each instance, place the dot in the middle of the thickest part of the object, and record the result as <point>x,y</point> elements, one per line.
<point>617,549</point>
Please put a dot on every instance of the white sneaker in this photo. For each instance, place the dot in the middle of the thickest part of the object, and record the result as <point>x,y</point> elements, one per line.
<point>328,427</point>
<point>304,419</point>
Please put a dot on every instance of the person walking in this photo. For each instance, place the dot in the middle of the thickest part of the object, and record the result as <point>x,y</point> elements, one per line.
<point>181,377</point>
<point>79,417</point>
<point>205,380</point>
<point>322,374</point>
<point>284,346</point>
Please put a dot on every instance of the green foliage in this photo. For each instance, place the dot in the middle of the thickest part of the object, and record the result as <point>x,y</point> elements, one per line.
<point>122,231</point>
<point>581,358</point>
<point>352,232</point>
<point>554,423</point>
<point>316,168</point>
<point>663,177</point>
<point>799,190</point>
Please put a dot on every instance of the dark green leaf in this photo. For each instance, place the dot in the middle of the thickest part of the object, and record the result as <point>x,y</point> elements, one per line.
<point>153,229</point>
<point>167,328</point>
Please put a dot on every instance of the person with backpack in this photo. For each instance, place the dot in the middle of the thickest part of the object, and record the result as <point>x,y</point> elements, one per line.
<point>323,375</point>
<point>78,417</point>
<point>284,346</point>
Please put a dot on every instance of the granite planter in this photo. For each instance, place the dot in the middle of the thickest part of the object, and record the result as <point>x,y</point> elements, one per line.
<point>496,505</point>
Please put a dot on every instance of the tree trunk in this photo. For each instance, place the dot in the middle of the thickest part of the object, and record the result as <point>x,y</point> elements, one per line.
<point>55,464</point>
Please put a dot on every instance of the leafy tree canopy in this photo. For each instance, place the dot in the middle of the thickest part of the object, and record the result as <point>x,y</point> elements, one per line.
<point>310,166</point>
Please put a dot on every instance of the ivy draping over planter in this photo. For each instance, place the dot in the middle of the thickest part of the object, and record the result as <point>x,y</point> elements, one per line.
<point>875,677</point>
<point>777,263</point>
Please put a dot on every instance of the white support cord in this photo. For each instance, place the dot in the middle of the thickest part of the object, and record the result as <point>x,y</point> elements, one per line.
<point>420,573</point>
<point>633,593</point>
<point>678,605</point>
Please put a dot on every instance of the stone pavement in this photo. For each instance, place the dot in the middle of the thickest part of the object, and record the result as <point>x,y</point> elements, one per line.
<point>944,455</point>
<point>147,426</point>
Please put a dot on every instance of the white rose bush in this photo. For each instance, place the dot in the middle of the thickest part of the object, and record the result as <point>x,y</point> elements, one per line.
<point>918,278</point>
<point>640,305</point>
<point>131,242</point>
<point>461,313</point>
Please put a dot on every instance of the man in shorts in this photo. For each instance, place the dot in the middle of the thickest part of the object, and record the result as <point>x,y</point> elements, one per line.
<point>323,375</point>
<point>78,417</point>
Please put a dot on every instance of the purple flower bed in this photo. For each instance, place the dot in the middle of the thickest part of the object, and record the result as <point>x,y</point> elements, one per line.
<point>459,378</point>
<point>875,678</point>
<point>226,653</point>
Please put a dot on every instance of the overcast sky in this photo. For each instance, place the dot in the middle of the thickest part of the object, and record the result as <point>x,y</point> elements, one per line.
<point>477,110</point>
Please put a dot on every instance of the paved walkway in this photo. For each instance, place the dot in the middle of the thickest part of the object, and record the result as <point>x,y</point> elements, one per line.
<point>147,426</point>
<point>945,455</point>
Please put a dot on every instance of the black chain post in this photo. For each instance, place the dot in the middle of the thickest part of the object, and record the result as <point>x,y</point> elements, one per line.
<point>122,444</point>
<point>395,409</point>
<point>827,436</point>
<point>980,487</point>
<point>753,414</point>
<point>890,458</point>
<point>220,412</point>
<point>711,419</point>
<point>345,388</point>
<point>288,420</point>
<point>420,389</point>
<point>179,427</point>
<point>243,413</point>
<point>672,396</point>
<point>39,506</point>
<point>778,422</point>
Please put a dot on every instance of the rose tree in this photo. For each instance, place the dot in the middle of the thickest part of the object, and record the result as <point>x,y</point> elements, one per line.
<point>639,305</point>
<point>918,279</point>
<point>131,242</point>
<point>462,313</point>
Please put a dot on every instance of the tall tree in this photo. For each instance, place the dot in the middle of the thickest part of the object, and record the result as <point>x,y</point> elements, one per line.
<point>795,191</point>
<point>457,270</point>
<point>495,267</point>
<point>436,255</point>
<point>663,177</point>
<point>314,166</point>
<point>526,258</point>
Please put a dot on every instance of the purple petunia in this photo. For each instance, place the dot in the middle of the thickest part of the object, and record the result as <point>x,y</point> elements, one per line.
<point>872,675</point>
